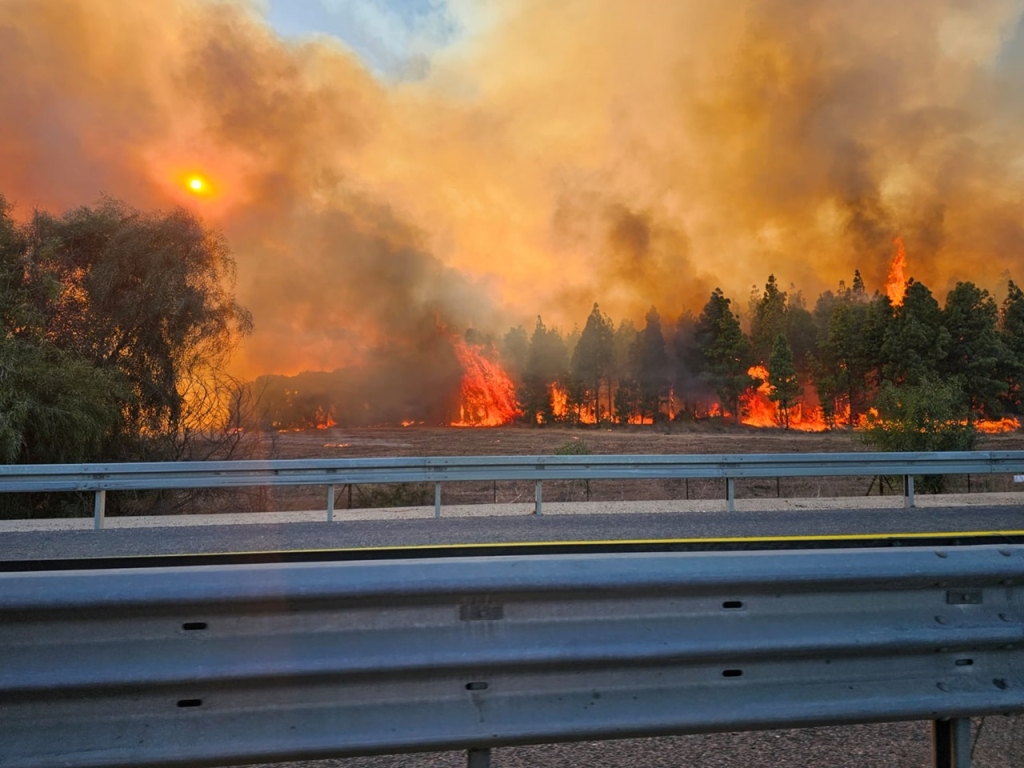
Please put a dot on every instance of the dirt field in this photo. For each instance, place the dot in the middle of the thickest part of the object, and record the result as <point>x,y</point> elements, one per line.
<point>426,441</point>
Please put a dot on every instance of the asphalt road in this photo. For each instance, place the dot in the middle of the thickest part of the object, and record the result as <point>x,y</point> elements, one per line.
<point>31,545</point>
<point>999,742</point>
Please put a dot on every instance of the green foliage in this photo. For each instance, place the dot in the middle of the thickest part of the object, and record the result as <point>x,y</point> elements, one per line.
<point>574,448</point>
<point>976,355</point>
<point>628,401</point>
<point>845,358</point>
<point>801,334</point>
<point>1011,332</point>
<point>55,408</point>
<point>785,386</point>
<point>928,416</point>
<point>725,352</point>
<point>916,340</point>
<point>769,319</point>
<point>114,327</point>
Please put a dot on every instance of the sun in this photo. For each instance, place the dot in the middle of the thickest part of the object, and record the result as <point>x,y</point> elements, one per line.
<point>196,184</point>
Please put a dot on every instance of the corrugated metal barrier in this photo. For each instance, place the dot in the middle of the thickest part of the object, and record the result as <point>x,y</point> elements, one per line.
<point>100,478</point>
<point>211,665</point>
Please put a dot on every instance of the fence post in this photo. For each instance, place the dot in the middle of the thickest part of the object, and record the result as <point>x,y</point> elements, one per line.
<point>951,743</point>
<point>730,493</point>
<point>537,495</point>
<point>437,500</point>
<point>330,503</point>
<point>99,509</point>
<point>908,491</point>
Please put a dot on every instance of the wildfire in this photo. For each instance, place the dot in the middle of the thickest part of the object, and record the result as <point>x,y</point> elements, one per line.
<point>896,285</point>
<point>1005,424</point>
<point>560,407</point>
<point>488,396</point>
<point>761,411</point>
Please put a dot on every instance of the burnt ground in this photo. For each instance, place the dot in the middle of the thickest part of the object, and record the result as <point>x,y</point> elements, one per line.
<point>700,439</point>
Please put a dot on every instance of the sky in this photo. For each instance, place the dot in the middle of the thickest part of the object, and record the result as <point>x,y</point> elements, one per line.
<point>385,172</point>
<point>395,38</point>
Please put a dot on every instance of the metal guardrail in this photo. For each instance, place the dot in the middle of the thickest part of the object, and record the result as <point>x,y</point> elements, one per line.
<point>100,478</point>
<point>205,666</point>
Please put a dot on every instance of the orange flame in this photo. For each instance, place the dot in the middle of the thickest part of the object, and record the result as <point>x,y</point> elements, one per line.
<point>487,397</point>
<point>896,285</point>
<point>560,407</point>
<point>559,402</point>
<point>761,411</point>
<point>996,427</point>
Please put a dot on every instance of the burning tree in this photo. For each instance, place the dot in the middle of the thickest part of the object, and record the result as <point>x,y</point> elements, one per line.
<point>592,358</point>
<point>547,363</point>
<point>725,352</point>
<point>785,387</point>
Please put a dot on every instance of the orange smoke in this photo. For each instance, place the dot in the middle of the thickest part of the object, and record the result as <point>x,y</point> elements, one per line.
<point>487,397</point>
<point>896,284</point>
<point>617,168</point>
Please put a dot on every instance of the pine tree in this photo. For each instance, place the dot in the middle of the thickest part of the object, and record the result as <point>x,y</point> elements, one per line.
<point>688,388</point>
<point>725,352</point>
<point>546,364</point>
<point>916,340</point>
<point>1011,331</point>
<point>651,366</point>
<point>768,321</point>
<point>785,386</point>
<point>592,359</point>
<point>976,355</point>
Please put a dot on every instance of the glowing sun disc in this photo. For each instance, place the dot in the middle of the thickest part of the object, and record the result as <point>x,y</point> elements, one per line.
<point>196,184</point>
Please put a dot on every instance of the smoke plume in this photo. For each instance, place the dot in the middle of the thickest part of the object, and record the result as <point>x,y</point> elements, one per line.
<point>561,153</point>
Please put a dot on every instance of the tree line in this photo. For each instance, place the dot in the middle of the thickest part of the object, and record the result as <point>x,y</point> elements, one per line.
<point>866,359</point>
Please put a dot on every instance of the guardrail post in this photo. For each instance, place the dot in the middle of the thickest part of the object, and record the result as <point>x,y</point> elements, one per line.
<point>951,743</point>
<point>99,509</point>
<point>437,500</point>
<point>330,503</point>
<point>908,491</point>
<point>730,493</point>
<point>537,496</point>
<point>478,758</point>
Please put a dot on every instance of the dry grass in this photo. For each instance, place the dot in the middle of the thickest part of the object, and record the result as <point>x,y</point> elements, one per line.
<point>519,441</point>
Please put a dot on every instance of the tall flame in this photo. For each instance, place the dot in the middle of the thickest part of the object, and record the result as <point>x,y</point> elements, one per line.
<point>488,396</point>
<point>896,284</point>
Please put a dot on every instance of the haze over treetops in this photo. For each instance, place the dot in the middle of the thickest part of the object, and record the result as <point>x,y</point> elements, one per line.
<point>531,157</point>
